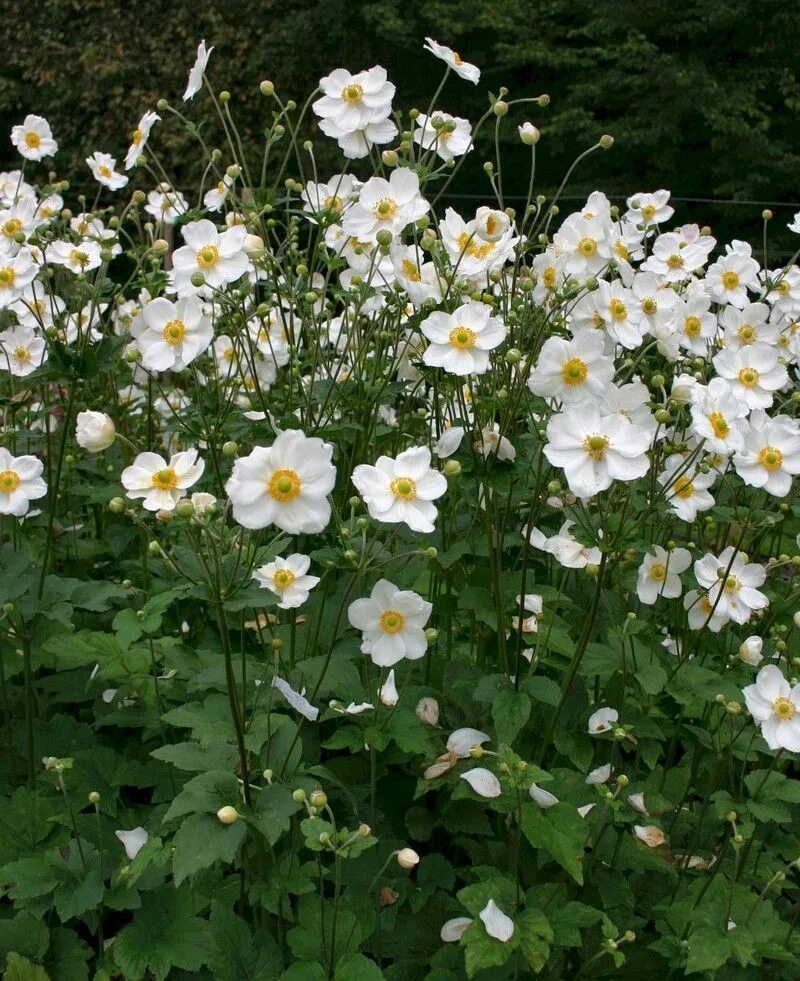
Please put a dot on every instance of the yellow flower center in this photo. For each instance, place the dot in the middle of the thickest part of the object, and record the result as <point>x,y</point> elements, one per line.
<point>549,277</point>
<point>404,488</point>
<point>492,225</point>
<point>411,271</point>
<point>385,209</point>
<point>730,280</point>
<point>675,261</point>
<point>618,310</point>
<point>648,211</point>
<point>684,487</point>
<point>284,485</point>
<point>575,372</point>
<point>32,140</point>
<point>770,458</point>
<point>79,258</point>
<point>138,136</point>
<point>207,257</point>
<point>784,708</point>
<point>747,334</point>
<point>22,353</point>
<point>7,277</point>
<point>165,480</point>
<point>587,247</point>
<point>173,332</point>
<point>392,622</point>
<point>658,572</point>
<point>622,250</point>
<point>719,424</point>
<point>104,171</point>
<point>732,584</point>
<point>783,287</point>
<point>473,248</point>
<point>283,579</point>
<point>333,203</point>
<point>9,481</point>
<point>692,326</point>
<point>596,446</point>
<point>748,377</point>
<point>457,58</point>
<point>462,338</point>
<point>12,227</point>
<point>352,94</point>
<point>649,306</point>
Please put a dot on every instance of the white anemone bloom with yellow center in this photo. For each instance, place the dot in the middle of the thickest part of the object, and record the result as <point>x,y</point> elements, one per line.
<point>287,578</point>
<point>385,206</point>
<point>103,168</point>
<point>731,583</point>
<point>218,256</point>
<point>771,454</point>
<point>453,60</point>
<point>719,417</point>
<point>139,138</point>
<point>20,483</point>
<point>596,449</point>
<point>572,371</point>
<point>450,136</point>
<point>659,574</point>
<point>17,272</point>
<point>753,372</point>
<point>461,341</point>
<point>775,706</point>
<point>175,333</point>
<point>402,490</point>
<point>22,350</point>
<point>160,484</point>
<point>286,485</point>
<point>392,623</point>
<point>729,278</point>
<point>33,138</point>
<point>355,110</point>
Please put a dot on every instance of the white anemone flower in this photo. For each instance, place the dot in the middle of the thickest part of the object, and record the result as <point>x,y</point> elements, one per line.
<point>286,484</point>
<point>461,341</point>
<point>94,431</point>
<point>603,720</point>
<point>197,71</point>
<point>659,574</point>
<point>453,60</point>
<point>542,797</point>
<point>219,257</point>
<point>572,371</point>
<point>497,924</point>
<point>385,205</point>
<point>355,110</point>
<point>33,138</point>
<point>175,333</point>
<point>22,351</point>
<point>287,579</point>
<point>462,741</point>
<point>160,484</point>
<point>483,782</point>
<point>387,693</point>
<point>775,706</point>
<point>392,623</point>
<point>20,483</point>
<point>402,490</point>
<point>140,137</point>
<point>103,168</point>
<point>133,841</point>
<point>450,136</point>
<point>565,548</point>
<point>731,583</point>
<point>770,457</point>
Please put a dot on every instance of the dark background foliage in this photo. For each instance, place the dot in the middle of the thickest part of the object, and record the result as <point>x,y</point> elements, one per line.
<point>701,96</point>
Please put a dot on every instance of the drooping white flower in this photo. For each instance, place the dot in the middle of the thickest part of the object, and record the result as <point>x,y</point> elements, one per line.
<point>565,548</point>
<point>483,782</point>
<point>497,924</point>
<point>453,929</point>
<point>750,651</point>
<point>160,484</point>
<point>20,483</point>
<point>133,841</point>
<point>387,693</point>
<point>296,699</point>
<point>287,579</point>
<point>140,137</point>
<point>392,623</point>
<point>659,574</point>
<point>775,706</point>
<point>403,489</point>
<point>453,60</point>
<point>603,720</point>
<point>33,138</point>
<point>95,431</point>
<point>102,166</point>
<point>461,341</point>
<point>461,741</point>
<point>175,333</point>
<point>197,71</point>
<point>286,484</point>
<point>595,449</point>
<point>599,775</point>
<point>542,797</point>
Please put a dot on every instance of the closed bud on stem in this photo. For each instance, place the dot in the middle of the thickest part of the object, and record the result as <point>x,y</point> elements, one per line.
<point>94,797</point>
<point>318,798</point>
<point>390,158</point>
<point>230,449</point>
<point>452,468</point>
<point>298,795</point>
<point>116,505</point>
<point>407,858</point>
<point>606,141</point>
<point>266,88</point>
<point>500,108</point>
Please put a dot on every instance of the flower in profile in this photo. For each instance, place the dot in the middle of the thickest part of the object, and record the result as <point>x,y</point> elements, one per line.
<point>175,333</point>
<point>139,139</point>
<point>388,693</point>
<point>296,699</point>
<point>197,71</point>
<point>453,929</point>
<point>403,489</point>
<point>750,651</point>
<point>659,574</point>
<point>133,841</point>
<point>483,782</point>
<point>22,350</point>
<point>33,138</point>
<point>102,166</point>
<point>17,272</point>
<point>542,797</point>
<point>463,741</point>
<point>218,256</point>
<point>287,579</point>
<point>603,720</point>
<point>286,484</point>
<point>453,60</point>
<point>95,431</point>
<point>460,342</point>
<point>775,706</point>
<point>497,924</point>
<point>79,259</point>
<point>355,110</point>
<point>565,548</point>
<point>20,483</point>
<point>166,204</point>
<point>385,206</point>
<point>392,623</point>
<point>595,449</point>
<point>160,484</point>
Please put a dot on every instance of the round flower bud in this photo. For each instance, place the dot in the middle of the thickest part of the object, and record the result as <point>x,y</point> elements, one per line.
<point>431,635</point>
<point>228,814</point>
<point>230,449</point>
<point>390,158</point>
<point>766,214</point>
<point>266,88</point>
<point>606,141</point>
<point>363,830</point>
<point>253,246</point>
<point>276,644</point>
<point>154,548</point>
<point>529,134</point>
<point>544,101</point>
<point>500,108</point>
<point>162,105</point>
<point>94,431</point>
<point>662,416</point>
<point>384,237</point>
<point>318,798</point>
<point>452,468</point>
<point>299,795</point>
<point>184,508</point>
<point>198,279</point>
<point>513,356</point>
<point>407,858</point>
<point>117,505</point>
<point>161,246</point>
<point>94,797</point>
<point>592,570</point>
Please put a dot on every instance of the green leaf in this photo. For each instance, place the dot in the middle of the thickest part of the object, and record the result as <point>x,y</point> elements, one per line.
<point>274,807</point>
<point>482,951</point>
<point>66,959</point>
<point>194,757</point>
<point>205,794</point>
<point>536,934</point>
<point>20,968</point>
<point>164,934</point>
<point>305,971</point>
<point>560,831</point>
<point>201,841</point>
<point>510,711</point>
<point>310,940</point>
<point>235,955</point>
<point>25,934</point>
<point>357,967</point>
